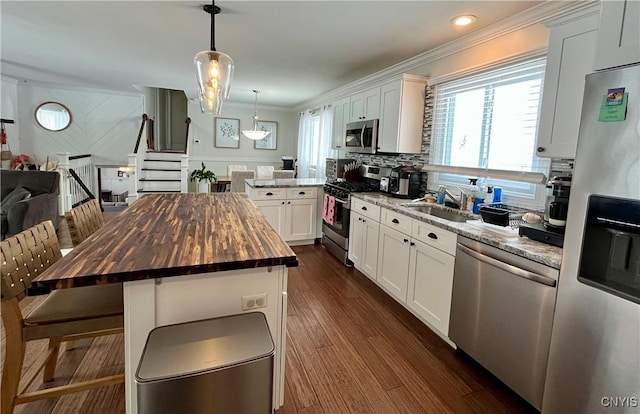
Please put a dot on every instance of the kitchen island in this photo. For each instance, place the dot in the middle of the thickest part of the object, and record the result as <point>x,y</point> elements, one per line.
<point>184,257</point>
<point>291,205</point>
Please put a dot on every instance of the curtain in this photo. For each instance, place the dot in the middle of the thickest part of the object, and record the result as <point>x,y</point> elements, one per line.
<point>304,150</point>
<point>314,142</point>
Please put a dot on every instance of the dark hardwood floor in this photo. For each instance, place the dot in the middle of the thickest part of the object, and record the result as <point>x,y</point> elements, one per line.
<point>350,348</point>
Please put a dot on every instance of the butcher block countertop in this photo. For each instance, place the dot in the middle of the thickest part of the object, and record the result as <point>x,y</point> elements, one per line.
<point>164,235</point>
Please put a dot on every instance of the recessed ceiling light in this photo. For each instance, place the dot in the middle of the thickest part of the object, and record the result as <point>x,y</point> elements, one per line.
<point>463,20</point>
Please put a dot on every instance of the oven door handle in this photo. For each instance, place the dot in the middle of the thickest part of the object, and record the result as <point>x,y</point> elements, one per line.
<point>514,270</point>
<point>340,201</point>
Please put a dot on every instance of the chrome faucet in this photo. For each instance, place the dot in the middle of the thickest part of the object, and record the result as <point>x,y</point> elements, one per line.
<point>461,203</point>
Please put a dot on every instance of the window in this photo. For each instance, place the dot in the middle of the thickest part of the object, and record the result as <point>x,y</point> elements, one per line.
<point>314,142</point>
<point>490,121</point>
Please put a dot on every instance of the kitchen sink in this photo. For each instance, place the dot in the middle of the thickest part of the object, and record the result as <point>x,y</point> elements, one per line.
<point>443,214</point>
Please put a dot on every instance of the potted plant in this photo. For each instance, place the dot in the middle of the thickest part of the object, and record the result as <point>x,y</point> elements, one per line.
<point>204,177</point>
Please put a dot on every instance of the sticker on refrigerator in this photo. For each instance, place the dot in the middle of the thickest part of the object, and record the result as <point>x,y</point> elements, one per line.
<point>614,105</point>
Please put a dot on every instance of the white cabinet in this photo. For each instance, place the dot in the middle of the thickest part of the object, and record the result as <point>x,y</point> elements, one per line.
<point>274,212</point>
<point>363,244</point>
<point>569,60</point>
<point>341,116</point>
<point>618,34</point>
<point>365,105</point>
<point>393,262</point>
<point>300,219</point>
<point>415,266</point>
<point>401,115</point>
<point>363,237</point>
<point>430,285</point>
<point>292,212</point>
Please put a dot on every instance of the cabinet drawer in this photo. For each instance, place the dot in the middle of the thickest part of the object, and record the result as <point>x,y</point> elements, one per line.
<point>302,192</point>
<point>269,194</point>
<point>396,221</point>
<point>434,236</point>
<point>367,209</point>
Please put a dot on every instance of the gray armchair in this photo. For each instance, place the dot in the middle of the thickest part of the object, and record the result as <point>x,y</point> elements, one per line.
<point>41,204</point>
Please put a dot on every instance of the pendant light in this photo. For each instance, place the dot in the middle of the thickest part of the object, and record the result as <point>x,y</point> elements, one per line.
<point>254,133</point>
<point>214,72</point>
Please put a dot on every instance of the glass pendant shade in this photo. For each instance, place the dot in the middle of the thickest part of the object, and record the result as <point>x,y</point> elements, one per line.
<point>214,74</point>
<point>255,134</point>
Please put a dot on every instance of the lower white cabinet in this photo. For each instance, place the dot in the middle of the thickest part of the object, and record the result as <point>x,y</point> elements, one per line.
<point>274,212</point>
<point>300,219</point>
<point>393,262</point>
<point>363,244</point>
<point>430,284</point>
<point>294,217</point>
<point>417,269</point>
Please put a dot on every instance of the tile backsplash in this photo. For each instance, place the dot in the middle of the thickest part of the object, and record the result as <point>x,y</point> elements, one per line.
<point>558,166</point>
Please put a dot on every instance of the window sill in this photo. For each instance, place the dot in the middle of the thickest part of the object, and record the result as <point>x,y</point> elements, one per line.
<point>520,176</point>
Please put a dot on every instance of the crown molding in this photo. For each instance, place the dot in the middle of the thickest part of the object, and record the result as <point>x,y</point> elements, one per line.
<point>41,84</point>
<point>13,81</point>
<point>542,13</point>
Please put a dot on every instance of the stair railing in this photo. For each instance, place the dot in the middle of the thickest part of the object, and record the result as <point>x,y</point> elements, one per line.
<point>135,159</point>
<point>78,182</point>
<point>184,161</point>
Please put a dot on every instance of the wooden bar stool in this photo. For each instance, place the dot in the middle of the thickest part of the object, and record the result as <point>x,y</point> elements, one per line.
<point>66,314</point>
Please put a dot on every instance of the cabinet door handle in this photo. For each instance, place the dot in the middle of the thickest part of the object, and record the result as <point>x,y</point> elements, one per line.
<point>269,194</point>
<point>541,149</point>
<point>395,221</point>
<point>359,218</point>
<point>412,244</point>
<point>302,193</point>
<point>288,202</point>
<point>283,202</point>
<point>433,236</point>
<point>406,240</point>
<point>364,208</point>
<point>364,221</point>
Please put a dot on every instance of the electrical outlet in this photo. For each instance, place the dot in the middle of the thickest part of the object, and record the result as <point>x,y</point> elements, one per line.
<point>254,301</point>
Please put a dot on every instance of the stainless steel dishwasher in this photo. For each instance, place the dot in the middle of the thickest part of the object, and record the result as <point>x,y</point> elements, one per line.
<point>501,314</point>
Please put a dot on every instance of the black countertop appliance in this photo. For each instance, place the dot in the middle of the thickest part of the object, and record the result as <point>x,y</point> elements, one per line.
<point>404,182</point>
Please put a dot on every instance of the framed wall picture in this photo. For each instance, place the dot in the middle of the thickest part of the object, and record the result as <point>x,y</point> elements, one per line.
<point>270,141</point>
<point>227,133</point>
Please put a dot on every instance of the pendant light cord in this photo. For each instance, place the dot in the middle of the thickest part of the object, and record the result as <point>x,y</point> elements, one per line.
<point>213,25</point>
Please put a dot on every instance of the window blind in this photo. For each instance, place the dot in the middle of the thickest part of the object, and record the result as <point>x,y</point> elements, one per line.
<point>489,120</point>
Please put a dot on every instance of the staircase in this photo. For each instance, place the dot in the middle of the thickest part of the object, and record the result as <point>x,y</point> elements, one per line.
<point>160,173</point>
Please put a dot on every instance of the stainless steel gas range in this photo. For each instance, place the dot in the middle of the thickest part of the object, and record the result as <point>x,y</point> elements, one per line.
<point>335,228</point>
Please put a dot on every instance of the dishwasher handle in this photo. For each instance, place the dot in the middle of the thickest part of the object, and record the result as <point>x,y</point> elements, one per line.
<point>525,274</point>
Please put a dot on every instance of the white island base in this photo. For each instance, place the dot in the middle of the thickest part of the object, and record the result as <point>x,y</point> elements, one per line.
<point>165,301</point>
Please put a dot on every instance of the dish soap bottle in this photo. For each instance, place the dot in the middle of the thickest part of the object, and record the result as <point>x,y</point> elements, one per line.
<point>473,192</point>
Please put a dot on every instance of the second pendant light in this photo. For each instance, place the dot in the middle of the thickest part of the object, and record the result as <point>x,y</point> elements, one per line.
<point>254,133</point>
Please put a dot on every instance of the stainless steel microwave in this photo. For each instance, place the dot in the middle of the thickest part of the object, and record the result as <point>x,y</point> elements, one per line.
<point>362,136</point>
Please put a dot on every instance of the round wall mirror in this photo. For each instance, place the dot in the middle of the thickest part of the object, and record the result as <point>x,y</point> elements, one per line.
<point>53,116</point>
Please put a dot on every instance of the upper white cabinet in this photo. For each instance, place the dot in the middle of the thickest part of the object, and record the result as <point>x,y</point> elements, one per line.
<point>365,105</point>
<point>401,115</point>
<point>618,34</point>
<point>340,118</point>
<point>569,60</point>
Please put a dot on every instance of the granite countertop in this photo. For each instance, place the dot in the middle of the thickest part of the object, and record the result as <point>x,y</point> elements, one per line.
<point>505,239</point>
<point>285,182</point>
<point>164,235</point>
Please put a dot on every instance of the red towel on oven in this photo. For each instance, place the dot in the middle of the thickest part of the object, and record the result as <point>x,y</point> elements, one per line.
<point>331,205</point>
<point>325,206</point>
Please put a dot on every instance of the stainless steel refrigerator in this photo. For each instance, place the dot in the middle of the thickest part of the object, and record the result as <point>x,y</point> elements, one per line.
<point>594,362</point>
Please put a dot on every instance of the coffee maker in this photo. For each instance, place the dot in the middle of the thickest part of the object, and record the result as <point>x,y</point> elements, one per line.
<point>551,231</point>
<point>404,182</point>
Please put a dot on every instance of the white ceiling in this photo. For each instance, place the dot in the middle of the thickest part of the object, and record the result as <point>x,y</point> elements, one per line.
<point>291,51</point>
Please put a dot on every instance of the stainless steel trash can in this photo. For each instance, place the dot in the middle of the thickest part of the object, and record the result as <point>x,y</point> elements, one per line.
<point>220,365</point>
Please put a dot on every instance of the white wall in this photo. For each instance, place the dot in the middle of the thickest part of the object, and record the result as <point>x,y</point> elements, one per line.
<point>104,123</point>
<point>217,159</point>
<point>9,110</point>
